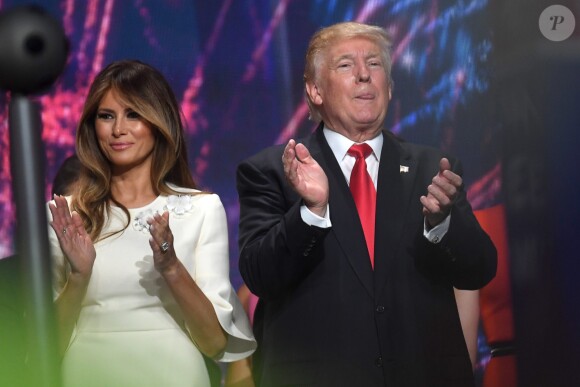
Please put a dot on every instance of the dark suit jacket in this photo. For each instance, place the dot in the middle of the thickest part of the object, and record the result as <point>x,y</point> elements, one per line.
<point>325,318</point>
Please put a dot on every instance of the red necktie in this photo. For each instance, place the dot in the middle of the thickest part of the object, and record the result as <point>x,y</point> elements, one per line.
<point>364,194</point>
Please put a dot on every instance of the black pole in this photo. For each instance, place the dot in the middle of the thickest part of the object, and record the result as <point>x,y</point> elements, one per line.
<point>27,160</point>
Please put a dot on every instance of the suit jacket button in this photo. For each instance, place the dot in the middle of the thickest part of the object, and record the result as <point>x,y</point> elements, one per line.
<point>380,309</point>
<point>379,361</point>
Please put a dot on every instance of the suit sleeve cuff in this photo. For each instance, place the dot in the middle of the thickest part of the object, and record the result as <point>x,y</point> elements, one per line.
<point>436,234</point>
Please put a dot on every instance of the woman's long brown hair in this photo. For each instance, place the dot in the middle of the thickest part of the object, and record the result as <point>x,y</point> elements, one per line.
<point>146,91</point>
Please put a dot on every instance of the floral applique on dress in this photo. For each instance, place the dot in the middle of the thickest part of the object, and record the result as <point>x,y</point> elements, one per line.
<point>178,205</point>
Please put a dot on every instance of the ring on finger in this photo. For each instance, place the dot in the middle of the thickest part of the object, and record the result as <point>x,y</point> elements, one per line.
<point>64,230</point>
<point>164,246</point>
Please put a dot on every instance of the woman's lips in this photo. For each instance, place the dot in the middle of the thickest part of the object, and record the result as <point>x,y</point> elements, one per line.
<point>119,146</point>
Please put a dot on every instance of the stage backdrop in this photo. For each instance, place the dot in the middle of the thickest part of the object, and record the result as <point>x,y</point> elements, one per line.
<point>236,67</point>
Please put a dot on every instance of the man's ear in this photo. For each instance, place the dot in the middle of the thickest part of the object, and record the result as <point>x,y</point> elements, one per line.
<point>313,93</point>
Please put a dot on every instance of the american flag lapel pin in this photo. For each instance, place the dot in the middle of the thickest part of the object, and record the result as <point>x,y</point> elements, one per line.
<point>403,169</point>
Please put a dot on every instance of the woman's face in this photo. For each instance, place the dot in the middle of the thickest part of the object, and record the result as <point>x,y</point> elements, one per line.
<point>125,138</point>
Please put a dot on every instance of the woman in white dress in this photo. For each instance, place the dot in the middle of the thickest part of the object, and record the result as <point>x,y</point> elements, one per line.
<point>141,268</point>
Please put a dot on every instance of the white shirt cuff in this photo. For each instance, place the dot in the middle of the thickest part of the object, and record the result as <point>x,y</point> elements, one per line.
<point>311,219</point>
<point>438,232</point>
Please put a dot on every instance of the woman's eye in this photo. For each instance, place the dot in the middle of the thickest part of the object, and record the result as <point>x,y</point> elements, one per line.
<point>133,115</point>
<point>104,116</point>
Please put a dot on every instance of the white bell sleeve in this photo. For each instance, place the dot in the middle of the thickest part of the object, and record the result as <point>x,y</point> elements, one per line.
<point>211,273</point>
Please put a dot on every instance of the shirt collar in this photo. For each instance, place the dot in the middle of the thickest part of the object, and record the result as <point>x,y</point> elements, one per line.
<point>339,144</point>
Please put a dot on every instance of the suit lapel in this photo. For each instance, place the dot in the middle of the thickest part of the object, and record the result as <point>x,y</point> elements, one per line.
<point>343,214</point>
<point>397,172</point>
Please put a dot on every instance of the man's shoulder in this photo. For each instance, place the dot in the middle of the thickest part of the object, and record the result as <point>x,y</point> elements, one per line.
<point>268,151</point>
<point>414,148</point>
<point>265,155</point>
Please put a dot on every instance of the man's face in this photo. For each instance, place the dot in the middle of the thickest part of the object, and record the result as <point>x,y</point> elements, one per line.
<point>352,89</point>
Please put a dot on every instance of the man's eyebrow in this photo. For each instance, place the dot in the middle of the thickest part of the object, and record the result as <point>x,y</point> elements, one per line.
<point>343,56</point>
<point>373,55</point>
<point>370,55</point>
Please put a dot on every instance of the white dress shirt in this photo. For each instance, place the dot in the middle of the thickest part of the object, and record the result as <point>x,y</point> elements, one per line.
<point>340,145</point>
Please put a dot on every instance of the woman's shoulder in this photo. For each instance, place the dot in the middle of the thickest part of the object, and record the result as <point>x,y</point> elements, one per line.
<point>190,197</point>
<point>194,192</point>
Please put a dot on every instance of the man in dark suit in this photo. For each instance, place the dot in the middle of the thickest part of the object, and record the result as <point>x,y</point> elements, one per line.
<point>336,308</point>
